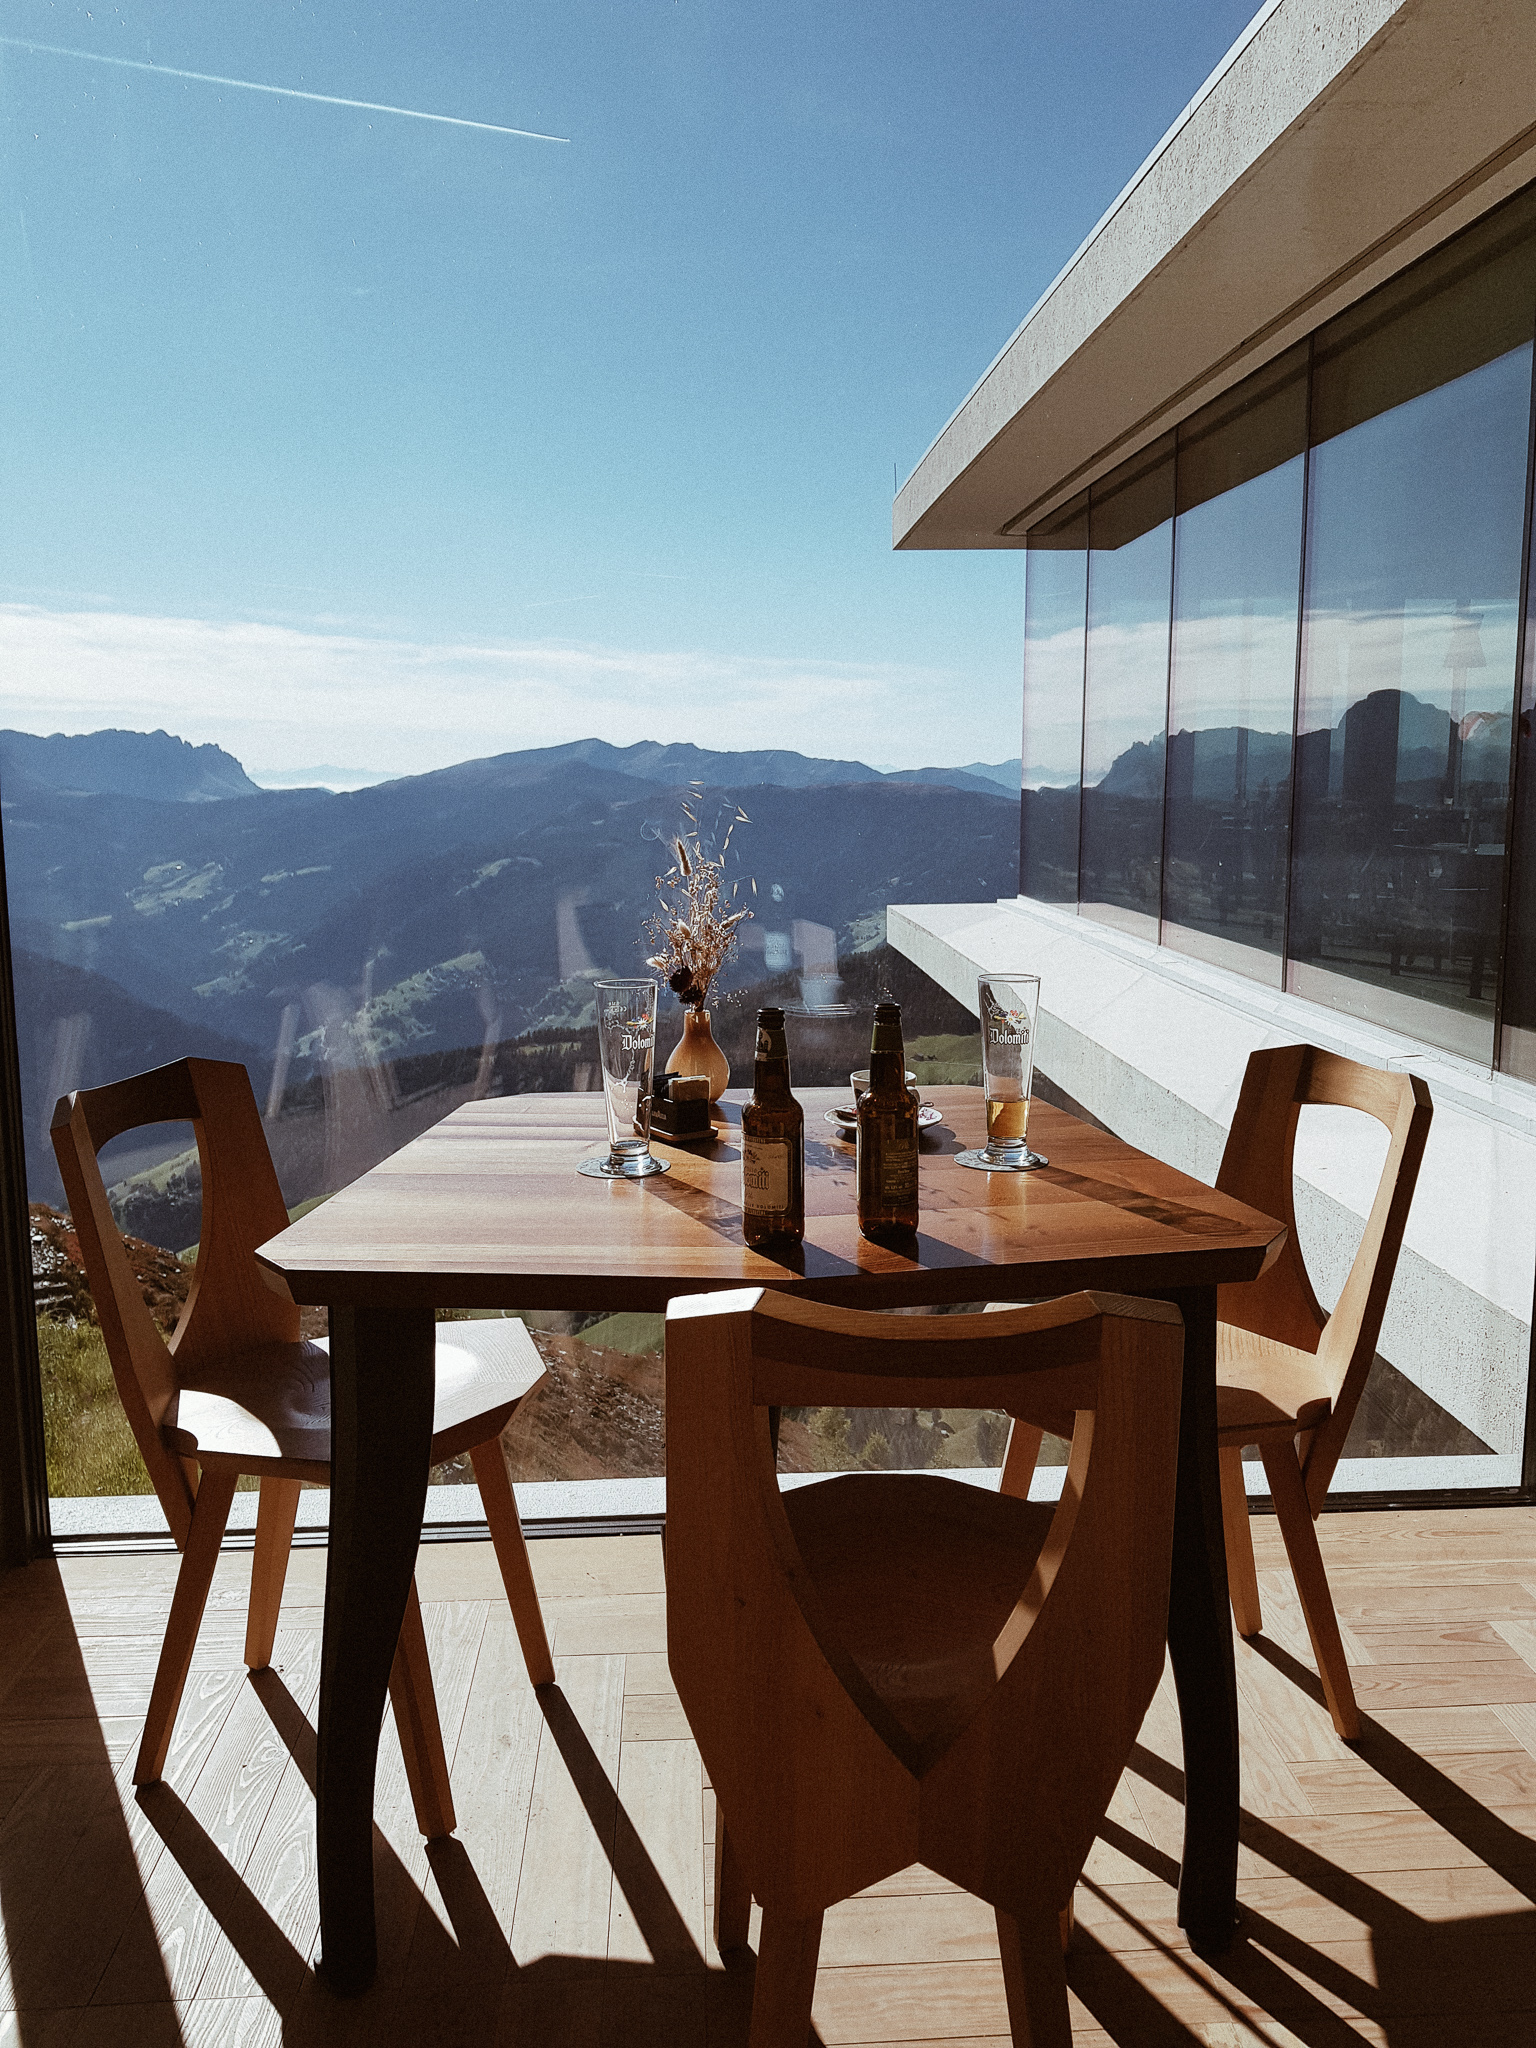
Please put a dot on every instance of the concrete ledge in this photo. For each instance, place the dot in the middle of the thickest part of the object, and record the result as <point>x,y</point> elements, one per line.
<point>129,1517</point>
<point>123,1516</point>
<point>558,1504</point>
<point>1155,1044</point>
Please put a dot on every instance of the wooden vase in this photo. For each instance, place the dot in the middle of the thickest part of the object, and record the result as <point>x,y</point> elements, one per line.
<point>697,1053</point>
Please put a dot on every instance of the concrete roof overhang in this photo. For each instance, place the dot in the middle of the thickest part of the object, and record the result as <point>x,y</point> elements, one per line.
<point>1338,141</point>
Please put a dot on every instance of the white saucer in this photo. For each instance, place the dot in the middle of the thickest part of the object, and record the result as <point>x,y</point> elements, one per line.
<point>846,1119</point>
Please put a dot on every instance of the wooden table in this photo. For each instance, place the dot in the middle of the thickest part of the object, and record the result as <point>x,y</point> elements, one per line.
<point>486,1210</point>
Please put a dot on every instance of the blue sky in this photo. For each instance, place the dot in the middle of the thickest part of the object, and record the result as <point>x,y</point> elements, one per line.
<point>337,436</point>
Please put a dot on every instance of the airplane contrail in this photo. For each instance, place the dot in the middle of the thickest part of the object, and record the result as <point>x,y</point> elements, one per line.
<point>284,92</point>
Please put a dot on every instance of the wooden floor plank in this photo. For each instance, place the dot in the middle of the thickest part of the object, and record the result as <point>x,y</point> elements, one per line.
<point>1126,1849</point>
<point>1516,1633</point>
<point>278,1873</point>
<point>564,1568</point>
<point>539,2008</point>
<point>1292,1712</point>
<point>1430,1730</point>
<point>15,1779</point>
<point>657,1905</point>
<point>460,1958</point>
<point>1492,1778</point>
<point>1368,1593</point>
<point>914,1880</point>
<point>647,1671</point>
<point>38,1843</point>
<point>66,1928</point>
<point>1285,1623</point>
<point>608,1625</point>
<point>40,2029</point>
<point>1432,1642</point>
<point>194,1897</point>
<point>1361,1843</point>
<point>654,1717</point>
<point>565,1887</point>
<point>919,2001</point>
<point>882,1929</point>
<point>195,2023</point>
<point>1443,1685</point>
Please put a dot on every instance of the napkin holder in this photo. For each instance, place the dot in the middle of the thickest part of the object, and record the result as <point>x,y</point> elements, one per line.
<point>680,1108</point>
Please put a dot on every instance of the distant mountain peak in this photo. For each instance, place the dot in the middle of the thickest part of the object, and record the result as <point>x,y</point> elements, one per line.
<point>152,765</point>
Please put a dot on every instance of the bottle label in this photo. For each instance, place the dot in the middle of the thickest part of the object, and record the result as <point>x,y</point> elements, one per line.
<point>898,1173</point>
<point>765,1177</point>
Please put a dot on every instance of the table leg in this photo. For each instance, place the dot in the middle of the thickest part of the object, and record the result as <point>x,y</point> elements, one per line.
<point>1200,1642</point>
<point>382,1386</point>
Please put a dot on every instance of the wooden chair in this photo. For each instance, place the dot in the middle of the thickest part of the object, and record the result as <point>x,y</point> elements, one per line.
<point>885,1669</point>
<point>236,1390</point>
<point>1288,1377</point>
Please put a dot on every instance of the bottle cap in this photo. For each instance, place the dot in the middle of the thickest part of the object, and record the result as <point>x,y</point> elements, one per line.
<point>770,1017</point>
<point>887,1013</point>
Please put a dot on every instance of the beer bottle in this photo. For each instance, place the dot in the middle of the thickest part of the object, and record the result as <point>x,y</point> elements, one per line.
<point>887,1136</point>
<point>772,1142</point>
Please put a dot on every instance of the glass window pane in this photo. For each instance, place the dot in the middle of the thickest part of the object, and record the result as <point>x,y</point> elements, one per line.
<point>1055,616</point>
<point>1232,680</point>
<point>1415,517</point>
<point>1125,691</point>
<point>317,461</point>
<point>1517,1037</point>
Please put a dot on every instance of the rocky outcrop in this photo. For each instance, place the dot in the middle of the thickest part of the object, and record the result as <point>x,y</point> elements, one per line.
<point>61,1291</point>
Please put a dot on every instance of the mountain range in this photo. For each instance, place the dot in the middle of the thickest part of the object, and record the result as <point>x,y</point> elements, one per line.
<point>162,903</point>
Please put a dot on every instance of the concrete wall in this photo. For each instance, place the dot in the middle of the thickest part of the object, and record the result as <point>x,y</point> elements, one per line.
<point>1155,1046</point>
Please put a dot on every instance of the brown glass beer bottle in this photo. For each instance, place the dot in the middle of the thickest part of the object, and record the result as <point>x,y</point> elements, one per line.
<point>887,1136</point>
<point>772,1143</point>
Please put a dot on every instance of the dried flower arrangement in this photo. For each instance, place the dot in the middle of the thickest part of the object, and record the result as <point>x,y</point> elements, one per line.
<point>695,928</point>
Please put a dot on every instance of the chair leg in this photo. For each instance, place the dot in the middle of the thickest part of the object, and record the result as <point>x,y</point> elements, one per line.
<point>210,1511</point>
<point>276,1510</point>
<point>1024,1442</point>
<point>421,1734</point>
<point>500,1504</point>
<point>1294,1513</point>
<point>1035,1979</point>
<point>733,1900</point>
<point>1242,1576</point>
<point>786,1981</point>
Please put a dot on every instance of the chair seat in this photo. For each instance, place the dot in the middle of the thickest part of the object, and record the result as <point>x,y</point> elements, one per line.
<point>918,1576</point>
<point>272,1405</point>
<point>1264,1388</point>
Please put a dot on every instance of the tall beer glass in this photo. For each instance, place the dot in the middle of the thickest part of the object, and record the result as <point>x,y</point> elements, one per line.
<point>626,1045</point>
<point>1009,1006</point>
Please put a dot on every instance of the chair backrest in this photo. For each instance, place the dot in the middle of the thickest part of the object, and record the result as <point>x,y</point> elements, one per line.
<point>800,1747</point>
<point>1258,1167</point>
<point>230,1307</point>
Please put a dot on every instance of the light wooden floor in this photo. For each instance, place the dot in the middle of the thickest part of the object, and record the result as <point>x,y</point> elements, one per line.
<point>1387,1889</point>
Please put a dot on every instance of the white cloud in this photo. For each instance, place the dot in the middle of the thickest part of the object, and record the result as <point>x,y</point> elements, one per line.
<point>279,696</point>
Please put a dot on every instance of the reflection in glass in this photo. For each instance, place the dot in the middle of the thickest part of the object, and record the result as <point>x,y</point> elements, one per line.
<point>1055,612</point>
<point>1517,1037</point>
<point>1415,516</point>
<point>1125,691</point>
<point>1232,681</point>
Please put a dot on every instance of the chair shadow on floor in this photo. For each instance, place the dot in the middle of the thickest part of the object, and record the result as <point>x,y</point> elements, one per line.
<point>461,1986</point>
<point>1447,1980</point>
<point>69,1884</point>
